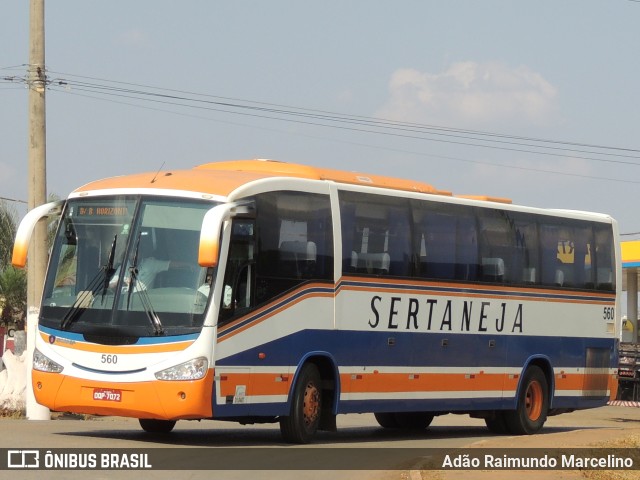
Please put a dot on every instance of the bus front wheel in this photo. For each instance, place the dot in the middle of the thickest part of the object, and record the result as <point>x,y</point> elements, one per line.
<point>306,404</point>
<point>533,404</point>
<point>157,426</point>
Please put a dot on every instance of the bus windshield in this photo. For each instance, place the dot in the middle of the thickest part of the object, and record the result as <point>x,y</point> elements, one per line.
<point>127,267</point>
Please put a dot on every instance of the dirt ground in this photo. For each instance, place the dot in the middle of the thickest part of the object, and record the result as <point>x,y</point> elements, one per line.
<point>611,426</point>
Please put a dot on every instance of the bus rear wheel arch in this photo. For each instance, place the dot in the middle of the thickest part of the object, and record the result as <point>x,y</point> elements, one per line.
<point>532,404</point>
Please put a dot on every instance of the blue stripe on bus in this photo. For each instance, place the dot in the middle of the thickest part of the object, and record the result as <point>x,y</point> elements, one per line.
<point>406,405</point>
<point>79,337</point>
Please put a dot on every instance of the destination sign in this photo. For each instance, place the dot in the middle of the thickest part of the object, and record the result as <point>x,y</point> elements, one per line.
<point>102,211</point>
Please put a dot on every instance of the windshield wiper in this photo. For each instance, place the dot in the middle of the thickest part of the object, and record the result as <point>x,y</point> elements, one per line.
<point>86,296</point>
<point>144,296</point>
<point>133,272</point>
<point>84,300</point>
<point>108,268</point>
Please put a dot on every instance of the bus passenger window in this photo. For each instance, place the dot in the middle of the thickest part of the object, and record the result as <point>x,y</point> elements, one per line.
<point>376,234</point>
<point>294,240</point>
<point>604,259</point>
<point>551,272</point>
<point>237,292</point>
<point>447,242</point>
<point>438,254</point>
<point>566,255</point>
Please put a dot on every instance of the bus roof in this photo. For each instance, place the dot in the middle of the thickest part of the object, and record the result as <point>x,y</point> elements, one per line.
<point>231,175</point>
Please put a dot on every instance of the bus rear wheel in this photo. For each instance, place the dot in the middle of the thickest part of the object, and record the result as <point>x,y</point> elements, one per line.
<point>404,420</point>
<point>306,404</point>
<point>533,404</point>
<point>157,426</point>
<point>496,423</point>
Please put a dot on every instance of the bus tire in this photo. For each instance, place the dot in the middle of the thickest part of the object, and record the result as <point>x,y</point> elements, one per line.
<point>386,419</point>
<point>157,426</point>
<point>404,420</point>
<point>497,423</point>
<point>414,420</point>
<point>306,404</point>
<point>533,404</point>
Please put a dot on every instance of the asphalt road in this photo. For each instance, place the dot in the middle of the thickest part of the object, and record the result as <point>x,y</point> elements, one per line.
<point>358,432</point>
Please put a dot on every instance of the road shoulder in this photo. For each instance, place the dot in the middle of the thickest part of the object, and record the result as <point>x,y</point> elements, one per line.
<point>611,426</point>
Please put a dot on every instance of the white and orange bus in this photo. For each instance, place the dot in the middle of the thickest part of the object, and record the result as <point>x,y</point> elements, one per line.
<point>261,291</point>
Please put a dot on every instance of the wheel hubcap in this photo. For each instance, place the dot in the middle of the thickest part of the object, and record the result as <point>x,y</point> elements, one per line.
<point>533,401</point>
<point>311,404</point>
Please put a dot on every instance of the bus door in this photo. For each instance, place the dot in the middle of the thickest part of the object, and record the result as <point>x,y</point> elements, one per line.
<point>233,371</point>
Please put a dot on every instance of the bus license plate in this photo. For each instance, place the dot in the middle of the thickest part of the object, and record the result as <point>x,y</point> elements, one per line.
<point>107,394</point>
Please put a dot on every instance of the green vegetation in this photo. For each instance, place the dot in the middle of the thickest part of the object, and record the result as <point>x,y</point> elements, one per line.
<point>13,282</point>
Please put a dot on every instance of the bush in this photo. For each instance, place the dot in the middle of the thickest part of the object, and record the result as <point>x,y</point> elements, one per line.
<point>13,297</point>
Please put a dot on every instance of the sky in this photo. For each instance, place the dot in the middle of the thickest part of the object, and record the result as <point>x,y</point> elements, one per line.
<point>548,84</point>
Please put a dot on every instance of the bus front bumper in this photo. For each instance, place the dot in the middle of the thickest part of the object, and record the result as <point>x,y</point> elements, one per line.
<point>164,400</point>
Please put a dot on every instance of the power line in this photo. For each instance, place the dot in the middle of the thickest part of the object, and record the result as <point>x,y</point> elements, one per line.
<point>266,110</point>
<point>338,121</point>
<point>12,200</point>
<point>368,145</point>
<point>272,108</point>
<point>109,89</point>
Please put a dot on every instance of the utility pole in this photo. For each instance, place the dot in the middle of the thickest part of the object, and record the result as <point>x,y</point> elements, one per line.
<point>37,189</point>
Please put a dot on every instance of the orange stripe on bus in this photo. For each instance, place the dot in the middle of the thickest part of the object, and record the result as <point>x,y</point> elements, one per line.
<point>256,383</point>
<point>452,382</point>
<point>477,289</point>
<point>513,294</point>
<point>580,381</point>
<point>430,382</point>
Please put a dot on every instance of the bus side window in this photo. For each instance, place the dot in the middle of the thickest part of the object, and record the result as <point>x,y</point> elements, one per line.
<point>525,268</point>
<point>566,254</point>
<point>551,273</point>
<point>447,246</point>
<point>438,258</point>
<point>237,294</point>
<point>376,234</point>
<point>467,262</point>
<point>583,267</point>
<point>604,253</point>
<point>294,240</point>
<point>508,247</point>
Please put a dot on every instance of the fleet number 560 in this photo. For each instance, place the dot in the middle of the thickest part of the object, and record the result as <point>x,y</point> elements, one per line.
<point>109,359</point>
<point>609,313</point>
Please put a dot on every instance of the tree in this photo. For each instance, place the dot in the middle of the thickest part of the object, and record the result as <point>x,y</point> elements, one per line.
<point>8,227</point>
<point>13,282</point>
<point>13,293</point>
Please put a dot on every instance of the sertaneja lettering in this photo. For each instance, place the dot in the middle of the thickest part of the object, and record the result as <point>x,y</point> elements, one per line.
<point>445,315</point>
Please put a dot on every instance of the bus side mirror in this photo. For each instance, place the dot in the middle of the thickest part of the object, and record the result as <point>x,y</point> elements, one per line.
<point>25,230</point>
<point>209,248</point>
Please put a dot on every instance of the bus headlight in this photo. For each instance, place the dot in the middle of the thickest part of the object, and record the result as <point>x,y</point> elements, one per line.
<point>192,370</point>
<point>45,364</point>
